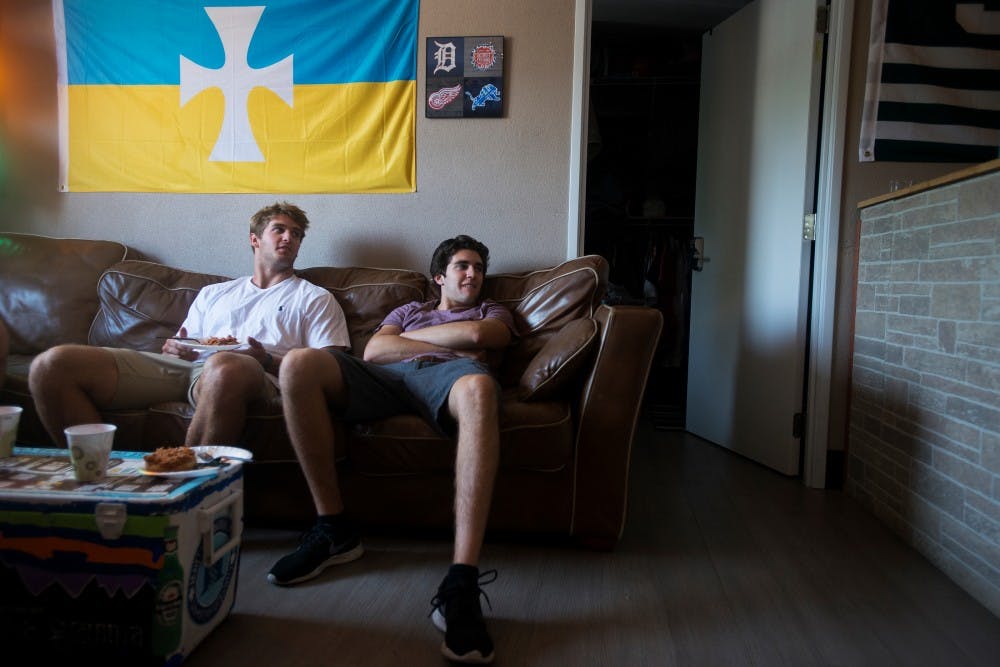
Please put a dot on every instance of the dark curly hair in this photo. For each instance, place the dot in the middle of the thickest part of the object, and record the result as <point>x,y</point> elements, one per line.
<point>447,249</point>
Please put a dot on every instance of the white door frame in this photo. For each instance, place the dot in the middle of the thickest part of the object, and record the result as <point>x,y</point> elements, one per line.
<point>832,142</point>
<point>577,205</point>
<point>824,289</point>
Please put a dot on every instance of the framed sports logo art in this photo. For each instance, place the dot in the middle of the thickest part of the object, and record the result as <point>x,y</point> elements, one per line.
<point>464,77</point>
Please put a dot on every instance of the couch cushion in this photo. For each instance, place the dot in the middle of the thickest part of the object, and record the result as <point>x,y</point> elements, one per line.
<point>559,362</point>
<point>48,288</point>
<point>367,295</point>
<point>15,392</point>
<point>143,300</point>
<point>533,436</point>
<point>543,302</point>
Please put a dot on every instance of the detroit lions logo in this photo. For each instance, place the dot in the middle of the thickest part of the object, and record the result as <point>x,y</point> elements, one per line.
<point>488,93</point>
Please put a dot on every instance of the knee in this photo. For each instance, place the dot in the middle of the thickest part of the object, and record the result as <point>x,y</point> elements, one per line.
<point>298,359</point>
<point>300,365</point>
<point>230,372</point>
<point>53,363</point>
<point>40,367</point>
<point>477,391</point>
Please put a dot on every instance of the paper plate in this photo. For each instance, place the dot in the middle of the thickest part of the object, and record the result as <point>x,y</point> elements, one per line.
<point>197,472</point>
<point>223,450</point>
<point>214,348</point>
<point>236,456</point>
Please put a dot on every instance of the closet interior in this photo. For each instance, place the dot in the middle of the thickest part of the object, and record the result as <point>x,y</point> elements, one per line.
<point>641,161</point>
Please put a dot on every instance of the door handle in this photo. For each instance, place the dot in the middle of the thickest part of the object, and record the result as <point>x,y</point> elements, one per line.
<point>698,258</point>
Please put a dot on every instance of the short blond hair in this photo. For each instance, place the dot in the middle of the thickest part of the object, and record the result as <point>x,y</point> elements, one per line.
<point>259,220</point>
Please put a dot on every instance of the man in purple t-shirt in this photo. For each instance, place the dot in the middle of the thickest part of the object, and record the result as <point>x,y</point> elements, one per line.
<point>432,359</point>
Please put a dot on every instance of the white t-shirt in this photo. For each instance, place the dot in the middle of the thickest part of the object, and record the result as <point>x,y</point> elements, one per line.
<point>294,313</point>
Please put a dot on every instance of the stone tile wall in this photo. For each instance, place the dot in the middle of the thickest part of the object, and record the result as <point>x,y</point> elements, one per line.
<point>924,429</point>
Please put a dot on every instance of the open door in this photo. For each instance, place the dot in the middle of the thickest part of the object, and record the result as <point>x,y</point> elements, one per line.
<point>758,132</point>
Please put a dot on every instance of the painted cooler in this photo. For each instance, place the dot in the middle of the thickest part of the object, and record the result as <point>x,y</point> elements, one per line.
<point>135,569</point>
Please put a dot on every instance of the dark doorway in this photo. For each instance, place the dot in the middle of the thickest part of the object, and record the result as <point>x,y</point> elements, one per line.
<point>641,161</point>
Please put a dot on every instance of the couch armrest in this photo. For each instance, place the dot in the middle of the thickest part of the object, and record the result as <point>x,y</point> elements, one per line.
<point>48,288</point>
<point>609,408</point>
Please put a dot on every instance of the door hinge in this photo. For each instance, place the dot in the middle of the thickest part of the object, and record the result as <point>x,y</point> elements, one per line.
<point>823,19</point>
<point>809,227</point>
<point>798,420</point>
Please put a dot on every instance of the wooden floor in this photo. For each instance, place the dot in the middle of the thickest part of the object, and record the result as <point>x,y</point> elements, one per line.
<point>722,563</point>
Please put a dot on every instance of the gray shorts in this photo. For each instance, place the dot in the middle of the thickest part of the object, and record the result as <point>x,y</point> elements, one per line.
<point>147,378</point>
<point>420,387</point>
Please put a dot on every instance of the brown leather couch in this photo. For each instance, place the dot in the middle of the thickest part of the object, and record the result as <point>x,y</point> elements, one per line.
<point>573,385</point>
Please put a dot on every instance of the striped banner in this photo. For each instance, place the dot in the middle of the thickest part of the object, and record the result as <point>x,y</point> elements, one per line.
<point>290,96</point>
<point>933,86</point>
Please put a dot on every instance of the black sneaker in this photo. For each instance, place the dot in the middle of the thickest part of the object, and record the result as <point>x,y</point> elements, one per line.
<point>317,550</point>
<point>458,615</point>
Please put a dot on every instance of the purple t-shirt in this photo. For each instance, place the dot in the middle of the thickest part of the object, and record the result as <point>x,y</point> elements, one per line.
<point>417,315</point>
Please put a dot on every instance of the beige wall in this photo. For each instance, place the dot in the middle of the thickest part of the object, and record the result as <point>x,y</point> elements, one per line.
<point>862,180</point>
<point>504,181</point>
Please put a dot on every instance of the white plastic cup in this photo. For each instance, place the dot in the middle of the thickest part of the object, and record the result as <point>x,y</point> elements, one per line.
<point>10,415</point>
<point>90,449</point>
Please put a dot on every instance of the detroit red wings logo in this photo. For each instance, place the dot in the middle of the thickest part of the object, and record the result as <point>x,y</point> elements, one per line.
<point>443,97</point>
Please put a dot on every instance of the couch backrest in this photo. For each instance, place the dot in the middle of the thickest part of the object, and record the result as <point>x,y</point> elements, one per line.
<point>367,295</point>
<point>545,301</point>
<point>143,300</point>
<point>47,288</point>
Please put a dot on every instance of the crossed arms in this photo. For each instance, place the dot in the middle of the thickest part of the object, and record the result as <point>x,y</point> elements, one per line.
<point>469,338</point>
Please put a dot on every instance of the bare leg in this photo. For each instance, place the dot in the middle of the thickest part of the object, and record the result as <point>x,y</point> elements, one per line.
<point>473,403</point>
<point>229,383</point>
<point>70,383</point>
<point>310,381</point>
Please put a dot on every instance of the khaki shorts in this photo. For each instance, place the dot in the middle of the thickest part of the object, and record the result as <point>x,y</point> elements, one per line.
<point>147,378</point>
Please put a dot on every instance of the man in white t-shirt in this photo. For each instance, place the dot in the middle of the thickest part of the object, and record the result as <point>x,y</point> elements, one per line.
<point>269,313</point>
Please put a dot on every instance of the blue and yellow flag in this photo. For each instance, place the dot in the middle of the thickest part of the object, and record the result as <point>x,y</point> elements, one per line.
<point>217,96</point>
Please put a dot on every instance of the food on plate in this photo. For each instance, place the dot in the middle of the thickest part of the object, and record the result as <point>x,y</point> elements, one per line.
<point>220,340</point>
<point>171,459</point>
